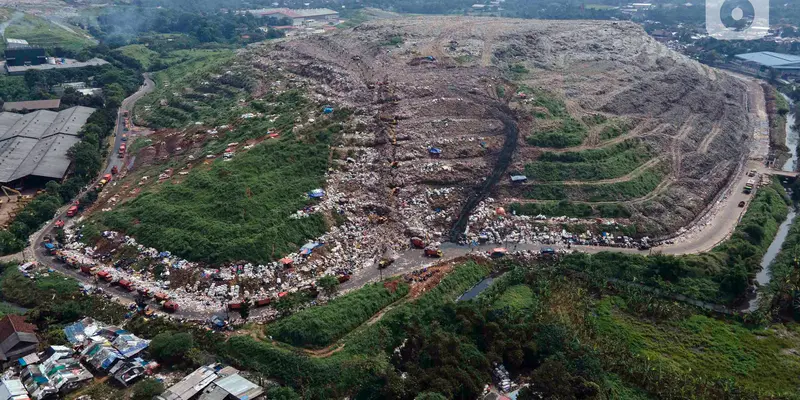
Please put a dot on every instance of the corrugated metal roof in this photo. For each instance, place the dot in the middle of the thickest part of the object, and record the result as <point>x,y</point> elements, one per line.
<point>32,105</point>
<point>771,59</point>
<point>37,143</point>
<point>191,384</point>
<point>239,387</point>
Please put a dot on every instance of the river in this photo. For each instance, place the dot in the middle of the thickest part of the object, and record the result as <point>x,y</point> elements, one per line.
<point>765,275</point>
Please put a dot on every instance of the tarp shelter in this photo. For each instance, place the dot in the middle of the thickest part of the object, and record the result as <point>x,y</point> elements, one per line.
<point>327,110</point>
<point>316,193</point>
<point>435,151</point>
<point>286,261</point>
<point>519,178</point>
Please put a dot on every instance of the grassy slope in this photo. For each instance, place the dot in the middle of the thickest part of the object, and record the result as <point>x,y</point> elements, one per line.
<point>756,359</point>
<point>40,32</point>
<point>140,53</point>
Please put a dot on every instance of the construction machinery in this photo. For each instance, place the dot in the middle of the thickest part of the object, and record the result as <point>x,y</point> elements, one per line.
<point>7,190</point>
<point>417,242</point>
<point>432,251</point>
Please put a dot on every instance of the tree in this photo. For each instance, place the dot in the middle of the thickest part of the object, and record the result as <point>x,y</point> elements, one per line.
<point>147,389</point>
<point>329,285</point>
<point>244,311</point>
<point>282,393</point>
<point>170,347</point>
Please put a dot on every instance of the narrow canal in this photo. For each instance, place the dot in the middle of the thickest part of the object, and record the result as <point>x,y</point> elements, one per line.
<point>765,275</point>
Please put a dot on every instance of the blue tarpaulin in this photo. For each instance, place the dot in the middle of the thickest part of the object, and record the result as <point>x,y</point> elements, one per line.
<point>435,150</point>
<point>316,193</point>
<point>327,110</point>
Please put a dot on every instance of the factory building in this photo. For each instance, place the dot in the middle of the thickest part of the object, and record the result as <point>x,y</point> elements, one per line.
<point>760,64</point>
<point>36,144</point>
<point>299,17</point>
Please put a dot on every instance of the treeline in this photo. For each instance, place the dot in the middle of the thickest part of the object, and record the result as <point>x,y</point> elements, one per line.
<point>321,326</point>
<point>87,162</point>
<point>122,25</point>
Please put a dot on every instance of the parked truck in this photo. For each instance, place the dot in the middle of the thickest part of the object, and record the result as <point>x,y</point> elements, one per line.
<point>748,187</point>
<point>170,306</point>
<point>72,211</point>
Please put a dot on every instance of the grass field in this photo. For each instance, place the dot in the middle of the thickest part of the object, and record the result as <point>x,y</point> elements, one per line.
<point>40,32</point>
<point>517,297</point>
<point>139,52</point>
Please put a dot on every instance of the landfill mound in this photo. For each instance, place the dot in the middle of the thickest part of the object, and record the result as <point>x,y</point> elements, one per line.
<point>437,100</point>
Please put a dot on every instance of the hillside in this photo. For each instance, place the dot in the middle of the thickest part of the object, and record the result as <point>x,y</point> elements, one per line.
<point>604,121</point>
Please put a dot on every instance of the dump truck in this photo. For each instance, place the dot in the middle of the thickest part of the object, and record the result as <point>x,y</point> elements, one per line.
<point>235,305</point>
<point>60,224</point>
<point>343,278</point>
<point>105,275</point>
<point>417,242</point>
<point>161,296</point>
<point>748,187</point>
<point>170,306</point>
<point>126,284</point>
<point>72,211</point>
<point>432,251</point>
<point>122,150</point>
<point>51,248</point>
<point>114,170</point>
<point>263,302</point>
<point>86,269</point>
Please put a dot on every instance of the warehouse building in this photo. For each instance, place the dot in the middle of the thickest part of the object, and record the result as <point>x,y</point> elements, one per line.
<point>299,17</point>
<point>760,64</point>
<point>35,145</point>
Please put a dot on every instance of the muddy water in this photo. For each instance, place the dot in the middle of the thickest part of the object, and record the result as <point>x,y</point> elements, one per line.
<point>476,290</point>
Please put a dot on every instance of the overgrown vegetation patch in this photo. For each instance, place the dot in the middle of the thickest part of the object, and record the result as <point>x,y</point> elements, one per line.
<point>570,209</point>
<point>637,187</point>
<point>590,165</point>
<point>322,325</point>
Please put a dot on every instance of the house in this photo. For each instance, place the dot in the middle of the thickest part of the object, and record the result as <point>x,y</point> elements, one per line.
<point>17,337</point>
<point>231,387</point>
<point>13,389</point>
<point>191,385</point>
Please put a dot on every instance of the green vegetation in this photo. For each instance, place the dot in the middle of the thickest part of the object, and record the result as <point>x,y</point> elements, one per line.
<point>783,292</point>
<point>210,94</point>
<point>146,389</point>
<point>139,52</point>
<point>40,32</point>
<point>753,360</point>
<point>241,206</point>
<point>321,326</point>
<point>590,165</point>
<point>570,209</point>
<point>518,297</point>
<point>614,129</point>
<point>570,133</point>
<point>719,276</point>
<point>171,347</point>
<point>637,187</point>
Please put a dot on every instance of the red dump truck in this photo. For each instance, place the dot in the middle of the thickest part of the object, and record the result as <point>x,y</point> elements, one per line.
<point>263,302</point>
<point>122,150</point>
<point>126,284</point>
<point>72,211</point>
<point>105,275</point>
<point>161,296</point>
<point>86,269</point>
<point>170,306</point>
<point>417,242</point>
<point>235,305</point>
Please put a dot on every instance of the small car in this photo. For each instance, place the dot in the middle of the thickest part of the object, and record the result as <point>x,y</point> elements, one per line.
<point>742,203</point>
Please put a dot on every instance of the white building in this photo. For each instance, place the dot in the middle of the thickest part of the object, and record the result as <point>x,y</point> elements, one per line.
<point>299,17</point>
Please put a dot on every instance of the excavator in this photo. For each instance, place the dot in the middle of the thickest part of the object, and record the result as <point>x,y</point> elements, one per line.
<point>7,190</point>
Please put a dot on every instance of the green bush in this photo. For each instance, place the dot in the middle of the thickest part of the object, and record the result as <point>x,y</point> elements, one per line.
<point>569,209</point>
<point>322,325</point>
<point>571,133</point>
<point>171,347</point>
<point>637,187</point>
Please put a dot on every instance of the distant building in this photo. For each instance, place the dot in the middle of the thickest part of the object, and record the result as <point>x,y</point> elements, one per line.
<point>32,105</point>
<point>25,56</point>
<point>36,145</point>
<point>759,64</point>
<point>17,337</point>
<point>53,63</point>
<point>299,17</point>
